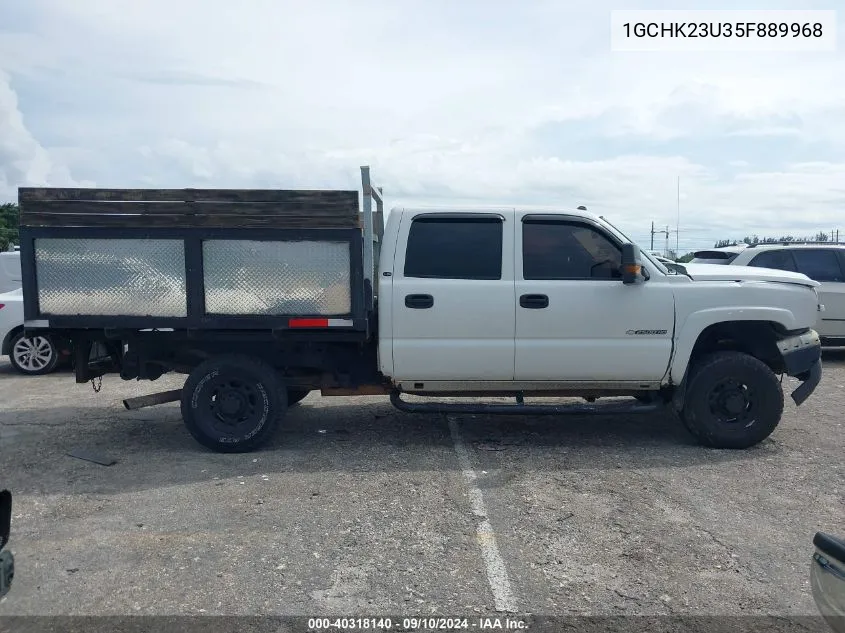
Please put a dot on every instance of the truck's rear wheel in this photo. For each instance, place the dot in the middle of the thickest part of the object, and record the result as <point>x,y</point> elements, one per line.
<point>732,400</point>
<point>231,404</point>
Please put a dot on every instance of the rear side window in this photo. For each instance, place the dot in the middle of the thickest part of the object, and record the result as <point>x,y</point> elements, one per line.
<point>558,250</point>
<point>779,259</point>
<point>818,264</point>
<point>454,248</point>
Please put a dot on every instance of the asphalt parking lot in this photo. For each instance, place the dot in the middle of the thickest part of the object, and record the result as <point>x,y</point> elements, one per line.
<point>360,509</point>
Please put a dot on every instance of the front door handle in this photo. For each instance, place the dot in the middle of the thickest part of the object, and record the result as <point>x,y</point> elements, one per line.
<point>419,302</point>
<point>534,302</point>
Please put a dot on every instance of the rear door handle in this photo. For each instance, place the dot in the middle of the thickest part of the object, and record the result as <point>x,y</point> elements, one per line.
<point>534,302</point>
<point>419,302</point>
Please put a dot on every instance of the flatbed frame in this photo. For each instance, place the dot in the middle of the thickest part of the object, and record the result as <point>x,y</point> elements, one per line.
<point>194,215</point>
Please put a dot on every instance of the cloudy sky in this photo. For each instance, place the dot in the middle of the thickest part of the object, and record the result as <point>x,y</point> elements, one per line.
<point>471,102</point>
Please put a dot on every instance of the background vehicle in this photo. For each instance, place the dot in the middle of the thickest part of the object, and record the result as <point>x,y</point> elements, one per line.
<point>823,262</point>
<point>827,577</point>
<point>7,561</point>
<point>261,296</point>
<point>40,353</point>
<point>721,255</point>
<point>10,271</point>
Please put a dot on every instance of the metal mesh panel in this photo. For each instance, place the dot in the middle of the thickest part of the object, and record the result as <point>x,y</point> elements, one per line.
<point>277,278</point>
<point>135,277</point>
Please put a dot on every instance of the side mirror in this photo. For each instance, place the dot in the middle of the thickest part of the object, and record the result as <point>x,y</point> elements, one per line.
<point>632,267</point>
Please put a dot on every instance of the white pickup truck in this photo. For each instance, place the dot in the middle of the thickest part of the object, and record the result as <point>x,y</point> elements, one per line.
<point>263,296</point>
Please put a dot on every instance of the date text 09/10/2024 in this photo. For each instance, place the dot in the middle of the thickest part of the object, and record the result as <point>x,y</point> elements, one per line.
<point>418,623</point>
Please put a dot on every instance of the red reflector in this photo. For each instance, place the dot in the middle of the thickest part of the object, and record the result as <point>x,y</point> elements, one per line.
<point>2,305</point>
<point>308,323</point>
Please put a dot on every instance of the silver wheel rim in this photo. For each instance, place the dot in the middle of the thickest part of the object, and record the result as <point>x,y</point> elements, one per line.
<point>33,354</point>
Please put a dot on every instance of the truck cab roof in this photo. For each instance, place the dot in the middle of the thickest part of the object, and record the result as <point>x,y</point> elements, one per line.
<point>503,210</point>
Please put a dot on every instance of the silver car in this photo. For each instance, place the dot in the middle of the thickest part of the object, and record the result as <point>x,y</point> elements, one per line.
<point>823,262</point>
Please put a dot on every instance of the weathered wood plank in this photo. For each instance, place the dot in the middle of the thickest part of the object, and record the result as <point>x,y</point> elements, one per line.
<point>329,197</point>
<point>33,219</point>
<point>77,207</point>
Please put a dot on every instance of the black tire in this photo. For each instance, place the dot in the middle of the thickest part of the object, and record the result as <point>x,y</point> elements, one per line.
<point>232,404</point>
<point>732,400</point>
<point>295,396</point>
<point>33,355</point>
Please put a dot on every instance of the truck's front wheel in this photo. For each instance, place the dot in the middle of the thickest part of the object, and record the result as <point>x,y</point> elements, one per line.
<point>732,400</point>
<point>231,404</point>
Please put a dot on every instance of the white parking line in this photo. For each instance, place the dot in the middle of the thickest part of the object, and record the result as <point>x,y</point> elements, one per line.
<point>497,573</point>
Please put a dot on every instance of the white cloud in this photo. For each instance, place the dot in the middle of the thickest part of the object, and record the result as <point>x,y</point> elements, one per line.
<point>23,161</point>
<point>475,101</point>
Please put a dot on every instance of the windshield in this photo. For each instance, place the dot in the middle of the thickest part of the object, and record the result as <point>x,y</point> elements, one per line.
<point>660,265</point>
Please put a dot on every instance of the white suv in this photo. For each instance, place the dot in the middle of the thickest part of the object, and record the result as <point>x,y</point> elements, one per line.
<point>820,261</point>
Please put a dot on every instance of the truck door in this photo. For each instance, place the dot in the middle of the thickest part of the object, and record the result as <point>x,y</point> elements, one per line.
<point>575,319</point>
<point>452,297</point>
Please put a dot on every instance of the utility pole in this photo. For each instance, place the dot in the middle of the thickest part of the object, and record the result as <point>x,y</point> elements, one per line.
<point>678,225</point>
<point>653,233</point>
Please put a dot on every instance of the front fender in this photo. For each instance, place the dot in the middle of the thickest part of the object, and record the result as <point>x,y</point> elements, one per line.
<point>687,334</point>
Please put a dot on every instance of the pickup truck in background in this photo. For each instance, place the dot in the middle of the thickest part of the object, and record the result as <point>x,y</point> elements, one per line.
<point>261,296</point>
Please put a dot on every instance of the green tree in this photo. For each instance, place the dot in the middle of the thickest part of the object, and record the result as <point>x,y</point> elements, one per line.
<point>751,240</point>
<point>9,219</point>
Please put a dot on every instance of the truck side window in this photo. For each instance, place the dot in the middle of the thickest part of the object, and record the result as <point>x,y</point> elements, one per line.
<point>780,260</point>
<point>560,250</point>
<point>454,248</point>
<point>818,264</point>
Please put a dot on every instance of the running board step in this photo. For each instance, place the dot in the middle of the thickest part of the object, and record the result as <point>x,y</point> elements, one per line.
<point>635,406</point>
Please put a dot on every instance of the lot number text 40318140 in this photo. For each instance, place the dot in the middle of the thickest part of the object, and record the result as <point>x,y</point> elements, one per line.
<point>417,623</point>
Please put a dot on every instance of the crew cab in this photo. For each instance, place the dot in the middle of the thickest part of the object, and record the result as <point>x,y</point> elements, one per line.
<point>259,309</point>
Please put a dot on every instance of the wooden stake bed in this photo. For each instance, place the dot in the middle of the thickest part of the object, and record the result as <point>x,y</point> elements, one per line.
<point>188,208</point>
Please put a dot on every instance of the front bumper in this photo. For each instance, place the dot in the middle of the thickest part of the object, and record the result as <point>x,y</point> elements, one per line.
<point>802,359</point>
